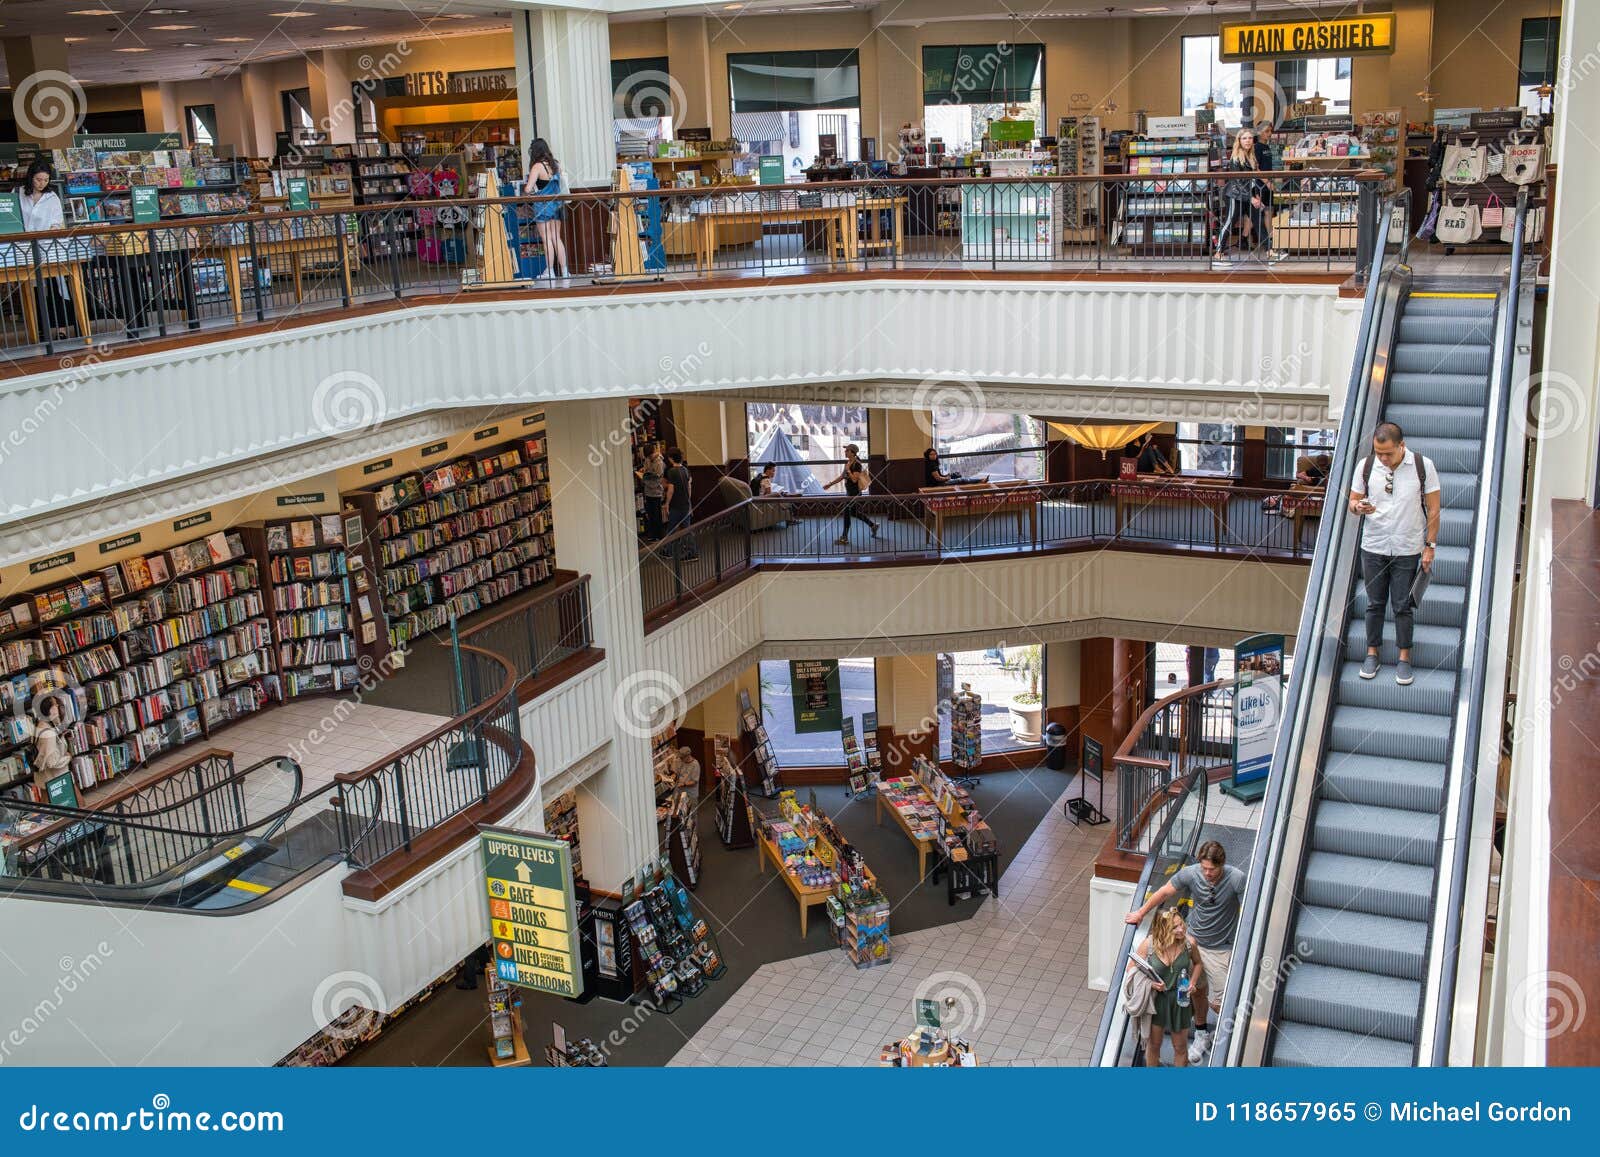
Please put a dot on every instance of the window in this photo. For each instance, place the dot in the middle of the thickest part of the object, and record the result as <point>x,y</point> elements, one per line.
<point>641,102</point>
<point>858,690</point>
<point>361,100</point>
<point>1327,77</point>
<point>1286,444</point>
<point>1204,78</point>
<point>999,445</point>
<point>297,113</point>
<point>201,121</point>
<point>1209,448</point>
<point>1536,65</point>
<point>998,676</point>
<point>778,99</point>
<point>965,86</point>
<point>806,442</point>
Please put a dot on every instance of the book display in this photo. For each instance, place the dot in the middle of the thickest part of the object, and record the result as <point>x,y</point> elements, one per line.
<point>354,1027</point>
<point>96,184</point>
<point>676,948</point>
<point>823,869</point>
<point>582,1053</point>
<point>1014,221</point>
<point>966,728</point>
<point>561,819</point>
<point>759,745</point>
<point>1078,154</point>
<point>455,538</point>
<point>141,657</point>
<point>735,817</point>
<point>1165,212</point>
<point>664,764</point>
<point>311,600</point>
<point>507,1048</point>
<point>1382,133</point>
<point>683,840</point>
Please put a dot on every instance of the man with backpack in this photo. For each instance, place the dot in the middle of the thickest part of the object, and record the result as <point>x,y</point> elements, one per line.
<point>1396,492</point>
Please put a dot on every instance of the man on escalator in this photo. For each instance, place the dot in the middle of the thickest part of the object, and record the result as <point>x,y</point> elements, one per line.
<point>1396,493</point>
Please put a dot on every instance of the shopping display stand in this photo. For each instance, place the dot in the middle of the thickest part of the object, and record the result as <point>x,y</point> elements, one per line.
<point>966,734</point>
<point>1078,154</point>
<point>1079,810</point>
<point>673,951</point>
<point>683,841</point>
<point>509,1049</point>
<point>1165,215</point>
<point>1492,130</point>
<point>821,868</point>
<point>735,825</point>
<point>759,745</point>
<point>636,219</point>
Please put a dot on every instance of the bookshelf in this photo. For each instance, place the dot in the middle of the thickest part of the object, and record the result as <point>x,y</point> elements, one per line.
<point>307,569</point>
<point>561,820</point>
<point>1164,214</point>
<point>966,728</point>
<point>458,537</point>
<point>734,824</point>
<point>683,840</point>
<point>142,656</point>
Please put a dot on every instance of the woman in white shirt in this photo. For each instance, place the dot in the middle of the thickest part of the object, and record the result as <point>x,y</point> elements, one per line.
<point>41,211</point>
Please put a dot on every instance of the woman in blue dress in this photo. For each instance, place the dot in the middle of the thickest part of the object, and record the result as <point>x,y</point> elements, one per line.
<point>544,179</point>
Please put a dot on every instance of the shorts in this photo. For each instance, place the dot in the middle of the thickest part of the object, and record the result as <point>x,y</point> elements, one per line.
<point>1216,962</point>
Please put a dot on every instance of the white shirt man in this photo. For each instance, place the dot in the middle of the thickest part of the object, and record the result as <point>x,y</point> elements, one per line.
<point>1399,533</point>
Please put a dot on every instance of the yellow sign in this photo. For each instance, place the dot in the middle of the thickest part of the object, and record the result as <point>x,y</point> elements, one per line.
<point>532,916</point>
<point>1300,39</point>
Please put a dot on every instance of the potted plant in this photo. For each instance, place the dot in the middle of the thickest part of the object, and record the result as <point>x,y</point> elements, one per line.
<point>1027,707</point>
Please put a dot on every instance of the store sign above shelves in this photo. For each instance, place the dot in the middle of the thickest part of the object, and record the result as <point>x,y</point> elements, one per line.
<point>440,83</point>
<point>1304,39</point>
<point>1169,127</point>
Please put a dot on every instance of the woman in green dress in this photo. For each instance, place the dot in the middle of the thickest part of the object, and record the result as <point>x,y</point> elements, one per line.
<point>1173,957</point>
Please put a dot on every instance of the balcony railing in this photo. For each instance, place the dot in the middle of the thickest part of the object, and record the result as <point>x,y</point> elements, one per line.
<point>113,284</point>
<point>1241,522</point>
<point>1186,733</point>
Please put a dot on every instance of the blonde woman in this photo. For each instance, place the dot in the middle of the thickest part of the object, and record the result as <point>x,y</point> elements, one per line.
<point>1175,960</point>
<point>1246,199</point>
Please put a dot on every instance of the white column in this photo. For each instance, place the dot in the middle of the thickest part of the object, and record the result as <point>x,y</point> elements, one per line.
<point>591,484</point>
<point>332,104</point>
<point>563,63</point>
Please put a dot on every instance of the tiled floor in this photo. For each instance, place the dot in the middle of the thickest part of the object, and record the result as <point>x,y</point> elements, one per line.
<point>1016,970</point>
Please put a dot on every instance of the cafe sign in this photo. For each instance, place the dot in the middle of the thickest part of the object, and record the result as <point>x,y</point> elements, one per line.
<point>1303,39</point>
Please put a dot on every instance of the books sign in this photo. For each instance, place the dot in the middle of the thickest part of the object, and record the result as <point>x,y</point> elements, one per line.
<point>146,205</point>
<point>10,212</point>
<point>533,919</point>
<point>814,686</point>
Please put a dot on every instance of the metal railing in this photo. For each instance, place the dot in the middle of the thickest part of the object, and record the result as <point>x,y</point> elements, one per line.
<point>212,275</point>
<point>689,564</point>
<point>1187,732</point>
<point>534,633</point>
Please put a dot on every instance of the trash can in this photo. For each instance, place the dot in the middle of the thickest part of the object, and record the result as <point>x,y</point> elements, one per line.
<point>1055,747</point>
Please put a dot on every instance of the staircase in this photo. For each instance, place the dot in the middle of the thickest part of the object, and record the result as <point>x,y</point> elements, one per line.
<point>1366,894</point>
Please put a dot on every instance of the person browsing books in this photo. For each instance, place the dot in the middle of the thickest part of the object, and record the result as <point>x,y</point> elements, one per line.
<point>856,483</point>
<point>652,485</point>
<point>544,180</point>
<point>1396,495</point>
<point>50,754</point>
<point>680,502</point>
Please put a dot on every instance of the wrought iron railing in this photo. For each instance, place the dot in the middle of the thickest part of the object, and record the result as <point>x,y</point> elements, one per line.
<point>1187,732</point>
<point>534,633</point>
<point>111,284</point>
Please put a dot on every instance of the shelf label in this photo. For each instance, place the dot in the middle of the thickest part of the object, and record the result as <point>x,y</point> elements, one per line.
<point>532,911</point>
<point>435,448</point>
<point>1302,39</point>
<point>310,499</point>
<point>487,432</point>
<point>65,558</point>
<point>533,419</point>
<point>378,466</point>
<point>192,520</point>
<point>130,539</point>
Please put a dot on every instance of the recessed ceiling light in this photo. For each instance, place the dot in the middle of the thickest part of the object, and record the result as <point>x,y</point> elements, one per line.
<point>233,40</point>
<point>166,12</point>
<point>75,39</point>
<point>291,15</point>
<point>190,44</point>
<point>92,12</point>
<point>171,27</point>
<point>133,50</point>
<point>345,28</point>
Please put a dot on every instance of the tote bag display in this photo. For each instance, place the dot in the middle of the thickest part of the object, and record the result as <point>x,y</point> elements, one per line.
<point>1465,164</point>
<point>1532,230</point>
<point>1524,163</point>
<point>1494,162</point>
<point>1493,214</point>
<point>1459,224</point>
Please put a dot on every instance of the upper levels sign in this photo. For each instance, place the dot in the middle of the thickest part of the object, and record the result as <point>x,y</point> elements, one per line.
<point>1297,39</point>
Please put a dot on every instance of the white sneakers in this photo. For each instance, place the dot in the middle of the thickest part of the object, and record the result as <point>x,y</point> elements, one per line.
<point>1200,1046</point>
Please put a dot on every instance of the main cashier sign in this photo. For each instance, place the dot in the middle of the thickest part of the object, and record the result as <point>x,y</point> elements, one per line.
<point>1303,39</point>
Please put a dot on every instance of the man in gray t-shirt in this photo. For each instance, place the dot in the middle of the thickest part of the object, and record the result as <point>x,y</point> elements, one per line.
<point>1215,892</point>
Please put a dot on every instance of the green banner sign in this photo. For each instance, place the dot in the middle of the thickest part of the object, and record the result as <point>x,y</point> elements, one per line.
<point>533,918</point>
<point>1011,132</point>
<point>814,686</point>
<point>61,791</point>
<point>128,142</point>
<point>771,170</point>
<point>146,206</point>
<point>299,193</point>
<point>10,212</point>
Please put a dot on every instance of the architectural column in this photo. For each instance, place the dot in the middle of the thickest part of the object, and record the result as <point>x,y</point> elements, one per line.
<point>1063,666</point>
<point>689,65</point>
<point>591,493</point>
<point>906,434</point>
<point>332,107</point>
<point>701,429</point>
<point>907,710</point>
<point>563,64</point>
<point>899,86</point>
<point>263,109</point>
<point>234,124</point>
<point>161,111</point>
<point>49,104</point>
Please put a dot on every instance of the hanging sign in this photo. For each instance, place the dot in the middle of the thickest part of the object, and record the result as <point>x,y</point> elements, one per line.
<point>533,917</point>
<point>146,205</point>
<point>1303,39</point>
<point>10,212</point>
<point>1171,128</point>
<point>1011,132</point>
<point>299,194</point>
<point>128,142</point>
<point>1257,708</point>
<point>814,686</point>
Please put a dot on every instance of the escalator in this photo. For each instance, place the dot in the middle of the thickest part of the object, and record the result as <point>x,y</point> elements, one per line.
<point>1356,946</point>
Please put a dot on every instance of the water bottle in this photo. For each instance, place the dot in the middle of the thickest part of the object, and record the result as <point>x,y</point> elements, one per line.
<point>1183,991</point>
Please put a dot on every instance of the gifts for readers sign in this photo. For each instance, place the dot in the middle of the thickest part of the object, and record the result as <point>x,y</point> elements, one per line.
<point>814,685</point>
<point>533,918</point>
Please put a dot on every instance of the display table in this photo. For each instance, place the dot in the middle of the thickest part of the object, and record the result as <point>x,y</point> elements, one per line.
<point>807,897</point>
<point>1146,491</point>
<point>970,876</point>
<point>1020,498</point>
<point>901,798</point>
<point>22,272</point>
<point>295,249</point>
<point>874,208</point>
<point>838,222</point>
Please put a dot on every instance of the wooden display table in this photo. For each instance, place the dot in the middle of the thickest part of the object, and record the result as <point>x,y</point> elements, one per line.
<point>1019,498</point>
<point>295,249</point>
<point>1303,504</point>
<point>1160,490</point>
<point>926,843</point>
<point>875,242</point>
<point>838,221</point>
<point>807,898</point>
<point>24,275</point>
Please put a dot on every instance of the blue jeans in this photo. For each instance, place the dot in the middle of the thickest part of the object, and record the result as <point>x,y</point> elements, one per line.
<point>685,546</point>
<point>1389,578</point>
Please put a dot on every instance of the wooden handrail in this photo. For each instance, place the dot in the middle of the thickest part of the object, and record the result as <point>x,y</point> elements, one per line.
<point>1124,754</point>
<point>561,582</point>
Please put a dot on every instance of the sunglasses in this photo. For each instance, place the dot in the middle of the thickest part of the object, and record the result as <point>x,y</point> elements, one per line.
<point>1388,483</point>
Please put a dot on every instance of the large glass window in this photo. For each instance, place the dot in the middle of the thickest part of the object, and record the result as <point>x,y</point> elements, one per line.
<point>805,442</point>
<point>965,86</point>
<point>297,113</point>
<point>1536,64</point>
<point>1001,677</point>
<point>858,691</point>
<point>1285,445</point>
<point>783,102</point>
<point>1209,448</point>
<point>1327,77</point>
<point>641,98</point>
<point>1205,78</point>
<point>201,120</point>
<point>1001,446</point>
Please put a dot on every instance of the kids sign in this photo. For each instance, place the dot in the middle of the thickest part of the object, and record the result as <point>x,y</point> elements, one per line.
<point>533,920</point>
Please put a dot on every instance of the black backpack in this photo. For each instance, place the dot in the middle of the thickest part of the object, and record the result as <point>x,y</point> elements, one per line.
<point>1422,481</point>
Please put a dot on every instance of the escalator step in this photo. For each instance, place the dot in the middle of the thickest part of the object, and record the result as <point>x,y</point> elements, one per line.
<point>1433,693</point>
<point>1433,648</point>
<point>1419,306</point>
<point>1362,942</point>
<point>1378,833</point>
<point>1420,358</point>
<point>1393,732</point>
<point>1438,389</point>
<point>1406,784</point>
<point>1404,891</point>
<point>1351,1001</point>
<point>1437,421</point>
<point>1451,455</point>
<point>1311,1046</point>
<point>1446,329</point>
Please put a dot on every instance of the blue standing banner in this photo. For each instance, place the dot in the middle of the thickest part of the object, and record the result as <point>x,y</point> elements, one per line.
<point>1257,709</point>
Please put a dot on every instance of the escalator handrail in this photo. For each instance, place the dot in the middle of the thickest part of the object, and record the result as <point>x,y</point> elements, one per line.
<point>1113,1021</point>
<point>1480,606</point>
<point>1321,600</point>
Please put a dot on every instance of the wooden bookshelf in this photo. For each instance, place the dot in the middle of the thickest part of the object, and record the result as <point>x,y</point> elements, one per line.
<point>312,622</point>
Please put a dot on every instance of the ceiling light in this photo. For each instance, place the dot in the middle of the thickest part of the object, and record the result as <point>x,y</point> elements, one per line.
<point>92,12</point>
<point>133,50</point>
<point>291,15</point>
<point>233,40</point>
<point>345,28</point>
<point>166,12</point>
<point>171,27</point>
<point>75,39</point>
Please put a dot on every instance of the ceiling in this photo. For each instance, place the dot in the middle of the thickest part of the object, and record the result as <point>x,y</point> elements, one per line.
<point>185,39</point>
